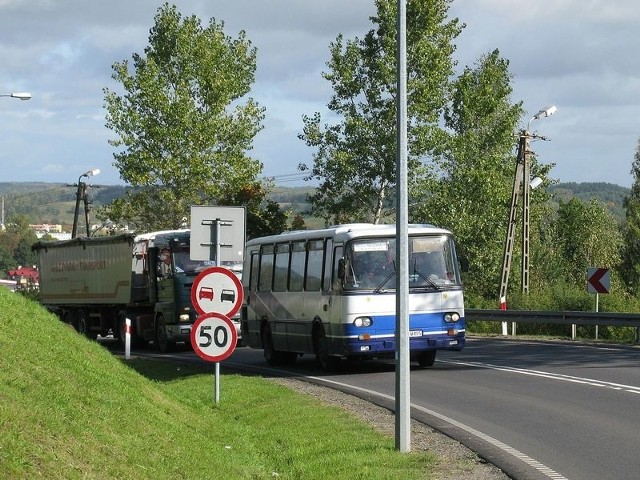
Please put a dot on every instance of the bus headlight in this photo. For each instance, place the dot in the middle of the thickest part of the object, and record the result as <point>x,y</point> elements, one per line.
<point>451,317</point>
<point>362,322</point>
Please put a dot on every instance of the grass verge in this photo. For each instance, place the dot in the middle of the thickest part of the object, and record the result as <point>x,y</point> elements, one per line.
<point>70,409</point>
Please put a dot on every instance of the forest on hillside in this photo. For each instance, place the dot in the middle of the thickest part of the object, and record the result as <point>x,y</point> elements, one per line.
<point>54,203</point>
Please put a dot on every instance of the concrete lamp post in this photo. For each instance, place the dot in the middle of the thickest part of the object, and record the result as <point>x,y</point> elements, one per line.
<point>81,194</point>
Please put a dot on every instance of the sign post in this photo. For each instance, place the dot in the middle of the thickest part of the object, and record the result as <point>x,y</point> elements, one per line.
<point>214,338</point>
<point>216,294</point>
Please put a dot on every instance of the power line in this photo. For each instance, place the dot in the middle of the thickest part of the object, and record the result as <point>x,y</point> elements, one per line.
<point>286,178</point>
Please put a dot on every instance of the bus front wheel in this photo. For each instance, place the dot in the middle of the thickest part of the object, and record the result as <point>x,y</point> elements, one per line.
<point>271,355</point>
<point>426,358</point>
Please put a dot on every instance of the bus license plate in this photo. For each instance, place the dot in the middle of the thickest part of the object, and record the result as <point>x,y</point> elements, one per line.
<point>415,333</point>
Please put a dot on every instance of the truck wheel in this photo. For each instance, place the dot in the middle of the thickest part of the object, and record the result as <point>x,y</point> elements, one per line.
<point>162,341</point>
<point>67,317</point>
<point>82,325</point>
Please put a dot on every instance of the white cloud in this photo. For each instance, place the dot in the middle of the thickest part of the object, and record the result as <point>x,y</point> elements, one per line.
<point>579,55</point>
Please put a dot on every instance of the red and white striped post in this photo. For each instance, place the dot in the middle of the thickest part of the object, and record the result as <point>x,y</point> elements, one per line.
<point>127,338</point>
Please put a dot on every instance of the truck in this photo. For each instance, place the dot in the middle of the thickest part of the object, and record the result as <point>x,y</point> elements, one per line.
<point>96,283</point>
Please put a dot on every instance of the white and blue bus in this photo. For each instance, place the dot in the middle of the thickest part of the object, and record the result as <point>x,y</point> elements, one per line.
<point>331,293</point>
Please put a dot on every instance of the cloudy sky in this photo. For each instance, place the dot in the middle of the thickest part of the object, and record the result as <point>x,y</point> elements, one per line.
<point>580,55</point>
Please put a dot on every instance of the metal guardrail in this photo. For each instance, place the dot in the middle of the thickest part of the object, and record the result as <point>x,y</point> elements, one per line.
<point>566,318</point>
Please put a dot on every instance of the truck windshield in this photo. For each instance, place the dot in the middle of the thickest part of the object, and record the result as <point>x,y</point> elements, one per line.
<point>183,264</point>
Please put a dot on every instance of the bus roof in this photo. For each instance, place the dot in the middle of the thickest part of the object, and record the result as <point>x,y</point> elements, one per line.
<point>348,231</point>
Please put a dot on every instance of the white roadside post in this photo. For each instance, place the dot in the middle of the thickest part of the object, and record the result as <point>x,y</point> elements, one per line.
<point>127,338</point>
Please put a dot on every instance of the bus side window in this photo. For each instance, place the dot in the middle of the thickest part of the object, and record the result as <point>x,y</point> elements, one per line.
<point>266,268</point>
<point>253,271</point>
<point>296,266</point>
<point>281,271</point>
<point>313,280</point>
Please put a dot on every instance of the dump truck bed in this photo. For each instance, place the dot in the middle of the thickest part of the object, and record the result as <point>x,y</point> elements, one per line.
<point>86,270</point>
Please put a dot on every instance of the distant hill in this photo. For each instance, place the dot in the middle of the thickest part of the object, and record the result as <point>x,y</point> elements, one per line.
<point>54,203</point>
<point>611,195</point>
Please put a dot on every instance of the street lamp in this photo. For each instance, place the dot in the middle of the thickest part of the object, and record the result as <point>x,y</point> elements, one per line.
<point>20,95</point>
<point>521,181</point>
<point>82,194</point>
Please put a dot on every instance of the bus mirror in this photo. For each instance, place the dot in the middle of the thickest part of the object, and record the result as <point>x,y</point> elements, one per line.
<point>341,268</point>
<point>464,265</point>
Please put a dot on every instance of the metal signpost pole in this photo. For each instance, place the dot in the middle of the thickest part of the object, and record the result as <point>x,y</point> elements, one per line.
<point>217,250</point>
<point>403,411</point>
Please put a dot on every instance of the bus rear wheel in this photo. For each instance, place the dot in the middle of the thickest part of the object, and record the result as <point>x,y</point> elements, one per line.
<point>321,348</point>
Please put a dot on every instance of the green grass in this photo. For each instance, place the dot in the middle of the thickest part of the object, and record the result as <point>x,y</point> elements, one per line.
<point>70,409</point>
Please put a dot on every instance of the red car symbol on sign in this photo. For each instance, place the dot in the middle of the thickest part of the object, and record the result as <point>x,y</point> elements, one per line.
<point>205,292</point>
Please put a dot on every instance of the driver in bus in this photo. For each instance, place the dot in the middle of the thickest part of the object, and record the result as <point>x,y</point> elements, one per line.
<point>372,269</point>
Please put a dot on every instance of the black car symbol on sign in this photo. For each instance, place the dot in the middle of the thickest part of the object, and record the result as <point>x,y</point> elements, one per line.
<point>227,295</point>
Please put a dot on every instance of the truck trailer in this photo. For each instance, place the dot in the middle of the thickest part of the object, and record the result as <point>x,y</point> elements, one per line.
<point>96,283</point>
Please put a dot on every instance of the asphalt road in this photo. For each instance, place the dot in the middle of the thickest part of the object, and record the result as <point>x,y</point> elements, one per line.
<point>537,410</point>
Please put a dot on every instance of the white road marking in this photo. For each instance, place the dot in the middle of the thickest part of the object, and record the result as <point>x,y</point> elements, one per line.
<point>553,376</point>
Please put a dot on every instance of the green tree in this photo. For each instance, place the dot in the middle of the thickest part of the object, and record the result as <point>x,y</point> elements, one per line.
<point>16,242</point>
<point>631,231</point>
<point>471,192</point>
<point>183,124</point>
<point>7,262</point>
<point>264,216</point>
<point>588,236</point>
<point>355,159</point>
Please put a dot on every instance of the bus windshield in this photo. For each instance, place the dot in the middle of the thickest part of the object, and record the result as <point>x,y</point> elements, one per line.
<point>371,263</point>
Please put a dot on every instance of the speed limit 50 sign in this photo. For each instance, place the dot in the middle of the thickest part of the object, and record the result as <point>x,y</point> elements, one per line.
<point>213,337</point>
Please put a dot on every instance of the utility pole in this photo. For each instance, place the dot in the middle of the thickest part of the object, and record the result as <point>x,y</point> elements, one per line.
<point>521,183</point>
<point>519,180</point>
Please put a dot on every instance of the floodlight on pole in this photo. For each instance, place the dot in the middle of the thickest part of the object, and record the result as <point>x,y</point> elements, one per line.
<point>535,183</point>
<point>81,194</point>
<point>19,95</point>
<point>521,182</point>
